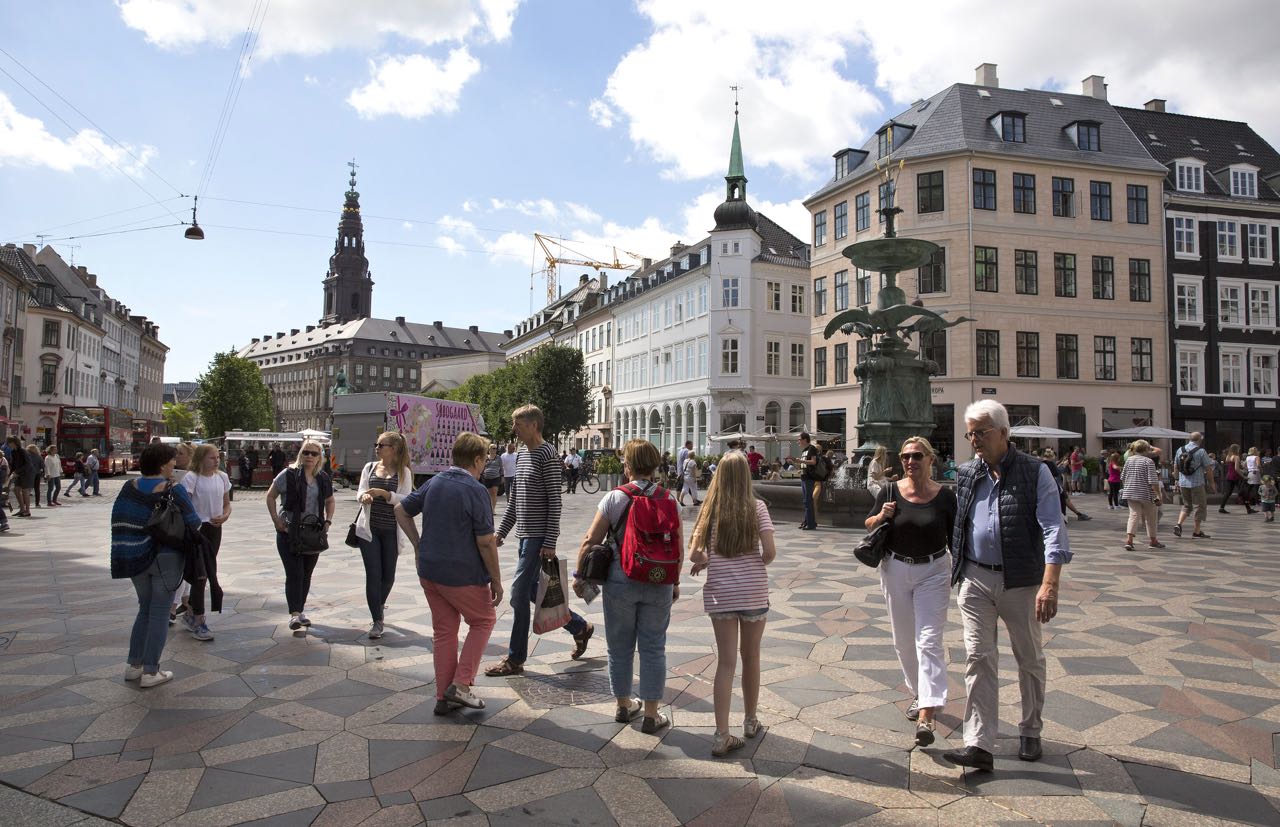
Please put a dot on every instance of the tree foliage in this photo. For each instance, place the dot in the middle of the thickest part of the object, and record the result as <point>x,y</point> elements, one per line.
<point>553,378</point>
<point>233,396</point>
<point>179,421</point>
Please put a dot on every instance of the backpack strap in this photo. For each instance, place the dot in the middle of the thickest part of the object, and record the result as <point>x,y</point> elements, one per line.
<point>619,529</point>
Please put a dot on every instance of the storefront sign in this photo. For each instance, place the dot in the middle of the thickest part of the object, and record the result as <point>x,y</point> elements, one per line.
<point>988,391</point>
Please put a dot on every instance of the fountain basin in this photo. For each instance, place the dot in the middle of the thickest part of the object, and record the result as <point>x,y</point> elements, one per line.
<point>890,255</point>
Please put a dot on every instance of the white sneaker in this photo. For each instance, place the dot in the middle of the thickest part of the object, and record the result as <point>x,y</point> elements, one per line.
<point>304,620</point>
<point>148,681</point>
<point>295,622</point>
<point>132,673</point>
<point>375,631</point>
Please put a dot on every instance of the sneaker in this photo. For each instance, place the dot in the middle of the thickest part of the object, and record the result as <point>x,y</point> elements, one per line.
<point>375,631</point>
<point>148,681</point>
<point>1177,530</point>
<point>1200,535</point>
<point>4,526</point>
<point>295,622</point>
<point>913,711</point>
<point>649,726</point>
<point>132,673</point>
<point>459,694</point>
<point>202,632</point>
<point>1083,518</point>
<point>580,642</point>
<point>304,620</point>
<point>189,622</point>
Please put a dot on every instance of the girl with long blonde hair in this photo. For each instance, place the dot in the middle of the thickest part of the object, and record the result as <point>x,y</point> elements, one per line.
<point>733,542</point>
<point>383,483</point>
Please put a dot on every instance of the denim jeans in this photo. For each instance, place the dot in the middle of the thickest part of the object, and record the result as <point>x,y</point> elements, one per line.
<point>380,556</point>
<point>810,520</point>
<point>155,589</point>
<point>52,488</point>
<point>636,616</point>
<point>524,589</point>
<point>92,482</point>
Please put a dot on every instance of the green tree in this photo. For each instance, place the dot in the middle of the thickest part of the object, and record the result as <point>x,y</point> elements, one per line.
<point>558,385</point>
<point>178,420</point>
<point>497,394</point>
<point>233,396</point>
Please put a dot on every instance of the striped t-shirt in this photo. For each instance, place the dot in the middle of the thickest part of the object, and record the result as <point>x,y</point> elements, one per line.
<point>737,584</point>
<point>535,510</point>
<point>1138,475</point>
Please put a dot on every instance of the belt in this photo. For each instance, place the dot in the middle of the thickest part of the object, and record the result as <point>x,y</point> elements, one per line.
<point>986,566</point>
<point>912,561</point>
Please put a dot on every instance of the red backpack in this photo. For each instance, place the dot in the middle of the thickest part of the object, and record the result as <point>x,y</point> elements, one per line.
<point>649,548</point>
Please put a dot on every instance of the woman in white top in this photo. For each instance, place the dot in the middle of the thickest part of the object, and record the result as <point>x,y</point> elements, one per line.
<point>733,541</point>
<point>876,474</point>
<point>1252,475</point>
<point>53,475</point>
<point>382,484</point>
<point>210,491</point>
<point>689,473</point>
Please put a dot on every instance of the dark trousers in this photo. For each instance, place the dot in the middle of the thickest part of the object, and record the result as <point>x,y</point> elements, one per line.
<point>573,480</point>
<point>810,520</point>
<point>1236,486</point>
<point>380,556</point>
<point>297,573</point>
<point>212,533</point>
<point>1113,493</point>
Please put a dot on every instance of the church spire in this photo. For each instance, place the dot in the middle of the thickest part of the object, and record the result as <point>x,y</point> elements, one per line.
<point>735,213</point>
<point>735,149</point>
<point>348,288</point>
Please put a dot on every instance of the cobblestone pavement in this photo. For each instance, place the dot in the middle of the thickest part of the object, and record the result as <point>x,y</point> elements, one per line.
<point>1163,704</point>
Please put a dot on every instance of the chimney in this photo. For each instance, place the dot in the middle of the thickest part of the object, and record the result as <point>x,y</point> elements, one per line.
<point>266,337</point>
<point>279,334</point>
<point>1094,87</point>
<point>293,332</point>
<point>473,328</point>
<point>438,325</point>
<point>604,282</point>
<point>646,263</point>
<point>986,75</point>
<point>255,340</point>
<point>400,320</point>
<point>583,279</point>
<point>1154,105</point>
<point>677,248</point>
<point>506,334</point>
<point>310,328</point>
<point>29,249</point>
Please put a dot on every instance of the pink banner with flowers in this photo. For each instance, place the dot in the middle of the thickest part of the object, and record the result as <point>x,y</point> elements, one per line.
<point>430,427</point>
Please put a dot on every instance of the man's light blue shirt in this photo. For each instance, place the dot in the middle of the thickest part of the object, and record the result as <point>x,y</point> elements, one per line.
<point>984,527</point>
<point>1200,460</point>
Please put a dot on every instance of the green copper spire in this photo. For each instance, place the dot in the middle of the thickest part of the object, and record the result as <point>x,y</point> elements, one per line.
<point>735,153</point>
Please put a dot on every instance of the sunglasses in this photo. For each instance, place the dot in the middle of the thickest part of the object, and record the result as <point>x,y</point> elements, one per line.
<point>311,453</point>
<point>383,445</point>
<point>912,456</point>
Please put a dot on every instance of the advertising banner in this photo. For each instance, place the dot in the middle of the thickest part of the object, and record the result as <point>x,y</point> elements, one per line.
<point>430,427</point>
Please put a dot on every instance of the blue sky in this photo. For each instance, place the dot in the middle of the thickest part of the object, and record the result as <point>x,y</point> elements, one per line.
<point>477,122</point>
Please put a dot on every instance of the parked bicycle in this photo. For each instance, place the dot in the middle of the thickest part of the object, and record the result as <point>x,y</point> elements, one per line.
<point>588,480</point>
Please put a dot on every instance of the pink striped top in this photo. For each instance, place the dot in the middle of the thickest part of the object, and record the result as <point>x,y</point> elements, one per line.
<point>738,584</point>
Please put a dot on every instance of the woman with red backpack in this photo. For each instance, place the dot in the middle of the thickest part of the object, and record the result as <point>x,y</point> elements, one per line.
<point>642,523</point>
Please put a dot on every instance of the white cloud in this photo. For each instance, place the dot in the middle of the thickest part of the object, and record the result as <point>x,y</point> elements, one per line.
<point>312,27</point>
<point>795,64</point>
<point>24,141</point>
<point>407,226</point>
<point>414,86</point>
<point>310,80</point>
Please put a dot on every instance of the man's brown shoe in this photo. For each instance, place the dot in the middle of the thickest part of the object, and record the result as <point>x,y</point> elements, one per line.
<point>504,668</point>
<point>580,642</point>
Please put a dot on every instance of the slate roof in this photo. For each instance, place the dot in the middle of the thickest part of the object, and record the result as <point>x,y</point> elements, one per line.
<point>778,246</point>
<point>1219,144</point>
<point>17,260</point>
<point>386,331</point>
<point>957,119</point>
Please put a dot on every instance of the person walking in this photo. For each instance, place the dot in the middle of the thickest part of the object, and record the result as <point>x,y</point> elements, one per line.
<point>1008,550</point>
<point>457,567</point>
<point>491,476</point>
<point>277,458</point>
<point>52,476</point>
<point>509,470</point>
<point>383,484</point>
<point>754,459</point>
<point>1252,475</point>
<point>78,477</point>
<point>733,541</point>
<point>246,470</point>
<point>1076,462</point>
<point>1195,483</point>
<point>1143,493</point>
<point>636,614</point>
<point>535,516</point>
<point>573,465</point>
<point>915,578</point>
<point>1235,480</point>
<point>154,569</point>
<point>1267,496</point>
<point>1114,483</point>
<point>22,475</point>
<point>92,464</point>
<point>210,492</point>
<point>36,460</point>
<point>307,492</point>
<point>808,479</point>
<point>688,478</point>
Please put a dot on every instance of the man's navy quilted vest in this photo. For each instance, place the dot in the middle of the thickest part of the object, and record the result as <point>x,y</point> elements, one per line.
<point>1021,539</point>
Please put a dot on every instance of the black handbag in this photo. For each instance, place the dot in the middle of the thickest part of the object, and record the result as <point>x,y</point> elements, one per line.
<point>595,568</point>
<point>871,549</point>
<point>308,535</point>
<point>166,526</point>
<point>353,539</point>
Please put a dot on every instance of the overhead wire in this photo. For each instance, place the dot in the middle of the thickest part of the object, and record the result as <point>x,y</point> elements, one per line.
<point>45,230</point>
<point>248,45</point>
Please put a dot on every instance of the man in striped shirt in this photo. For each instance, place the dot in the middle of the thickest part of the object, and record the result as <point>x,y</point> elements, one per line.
<point>534,513</point>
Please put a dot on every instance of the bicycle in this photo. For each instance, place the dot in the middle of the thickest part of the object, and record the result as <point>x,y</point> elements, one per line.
<point>588,480</point>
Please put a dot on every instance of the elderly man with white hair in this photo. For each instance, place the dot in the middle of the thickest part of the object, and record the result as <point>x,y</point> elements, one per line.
<point>1009,546</point>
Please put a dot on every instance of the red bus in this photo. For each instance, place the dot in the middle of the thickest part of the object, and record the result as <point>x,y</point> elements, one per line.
<point>107,429</point>
<point>143,431</point>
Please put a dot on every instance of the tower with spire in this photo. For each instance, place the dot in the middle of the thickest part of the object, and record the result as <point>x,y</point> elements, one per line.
<point>735,213</point>
<point>348,286</point>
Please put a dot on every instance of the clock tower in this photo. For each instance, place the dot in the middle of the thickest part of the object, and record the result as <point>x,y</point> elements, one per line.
<point>348,286</point>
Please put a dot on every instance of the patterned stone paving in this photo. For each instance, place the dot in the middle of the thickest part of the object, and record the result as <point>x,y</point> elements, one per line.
<point>1163,704</point>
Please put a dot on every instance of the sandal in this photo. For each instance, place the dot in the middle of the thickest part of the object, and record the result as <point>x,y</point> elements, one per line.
<point>627,714</point>
<point>750,726</point>
<point>924,733</point>
<point>504,668</point>
<point>725,743</point>
<point>651,725</point>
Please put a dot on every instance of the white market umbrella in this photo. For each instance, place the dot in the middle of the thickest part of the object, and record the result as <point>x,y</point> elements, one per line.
<point>731,436</point>
<point>1146,432</point>
<point>319,436</point>
<point>1041,432</point>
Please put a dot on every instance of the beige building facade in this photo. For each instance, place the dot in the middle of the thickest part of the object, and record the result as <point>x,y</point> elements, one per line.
<point>1053,248</point>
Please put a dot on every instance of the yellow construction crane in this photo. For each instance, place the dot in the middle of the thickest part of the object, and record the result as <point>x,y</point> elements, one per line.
<point>554,259</point>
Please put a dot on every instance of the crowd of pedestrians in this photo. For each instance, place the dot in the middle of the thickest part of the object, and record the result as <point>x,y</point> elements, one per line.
<point>998,536</point>
<point>31,477</point>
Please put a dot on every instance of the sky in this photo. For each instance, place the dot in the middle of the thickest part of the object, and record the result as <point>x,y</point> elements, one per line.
<point>475,123</point>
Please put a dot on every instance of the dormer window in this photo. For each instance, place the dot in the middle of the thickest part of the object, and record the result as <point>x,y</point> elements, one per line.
<point>884,140</point>
<point>1013,127</point>
<point>1244,182</point>
<point>842,165</point>
<point>1088,136</point>
<point>1190,176</point>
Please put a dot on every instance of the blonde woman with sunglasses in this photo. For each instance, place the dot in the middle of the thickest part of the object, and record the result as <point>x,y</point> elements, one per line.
<point>307,490</point>
<point>915,577</point>
<point>383,483</point>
